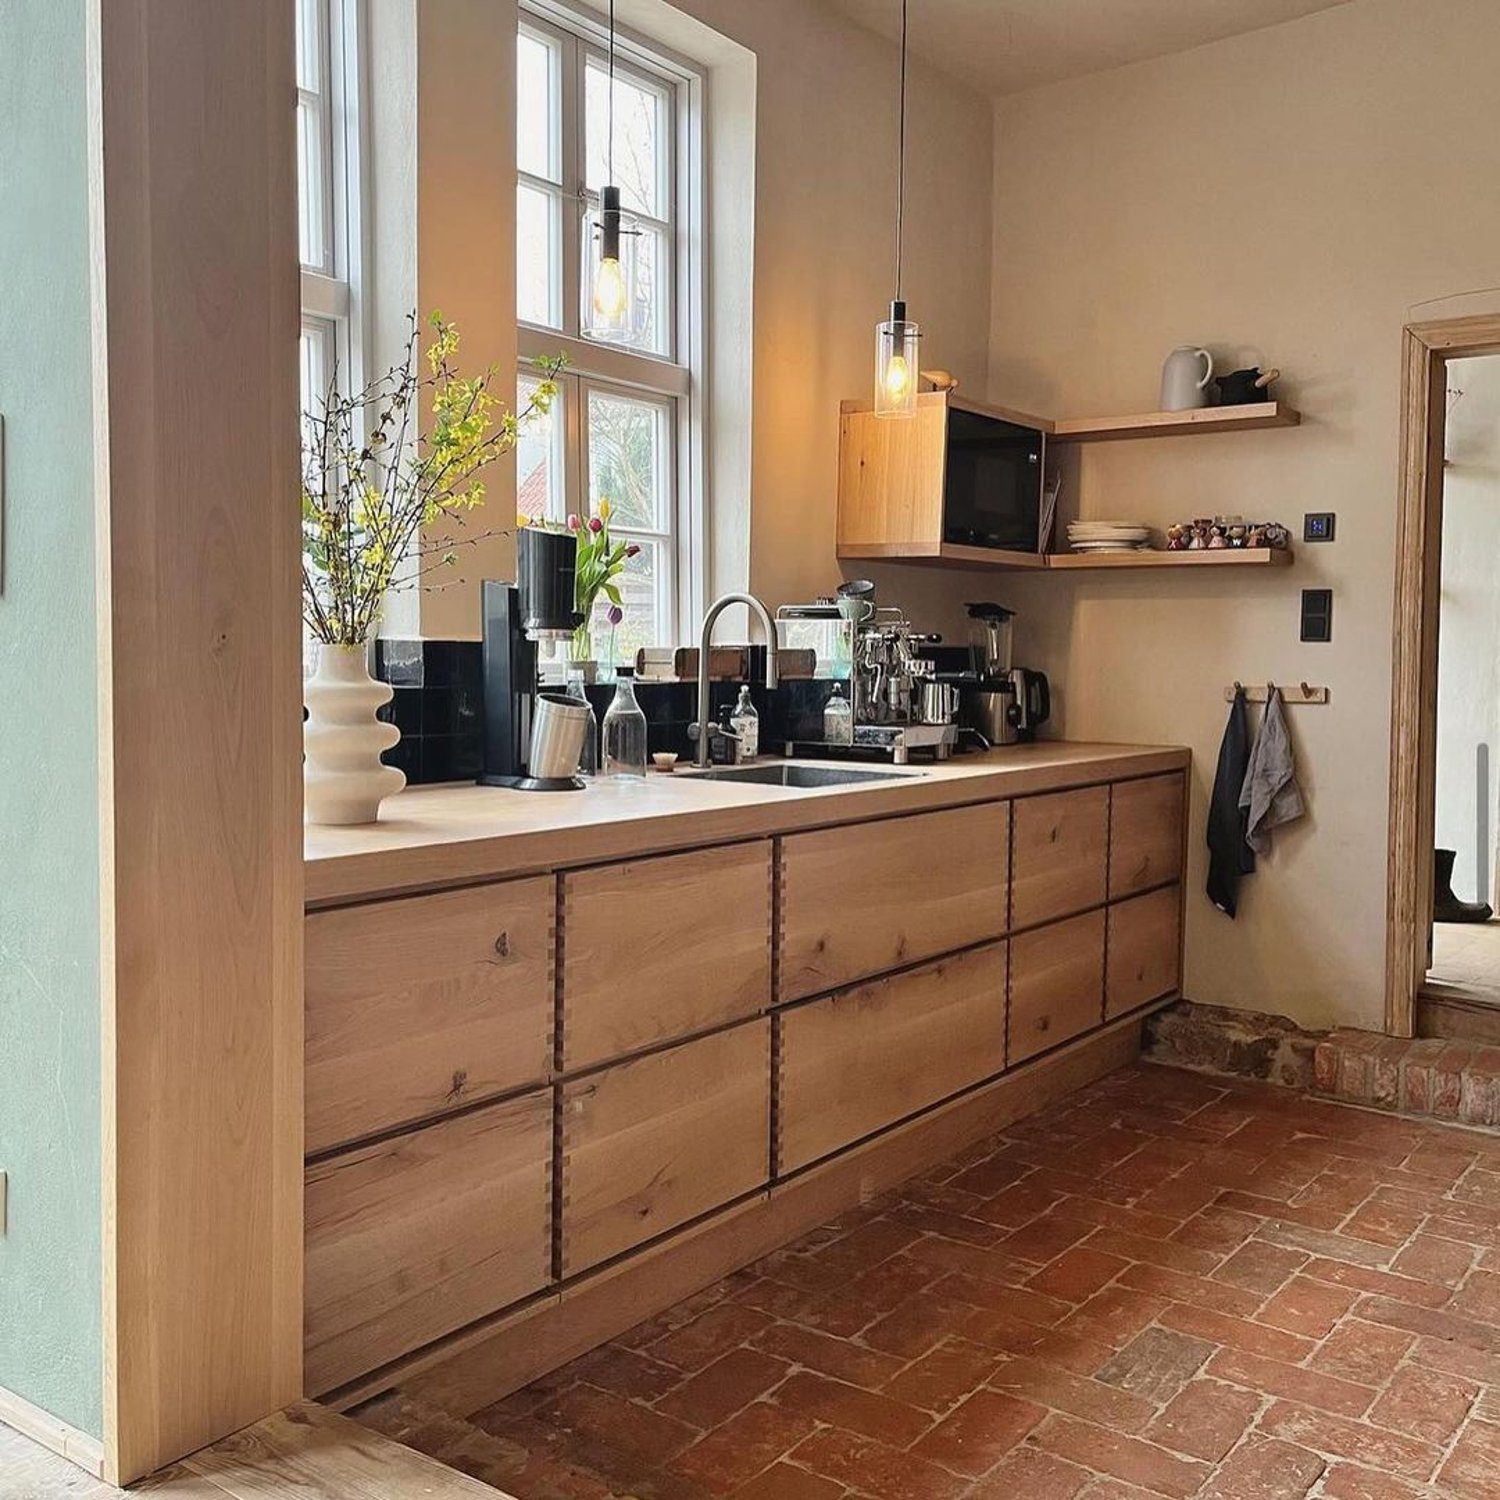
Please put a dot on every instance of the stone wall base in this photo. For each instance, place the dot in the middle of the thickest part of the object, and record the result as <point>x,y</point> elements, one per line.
<point>1239,1043</point>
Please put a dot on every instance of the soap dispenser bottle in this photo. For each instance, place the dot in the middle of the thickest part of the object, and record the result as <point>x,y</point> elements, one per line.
<point>745,722</point>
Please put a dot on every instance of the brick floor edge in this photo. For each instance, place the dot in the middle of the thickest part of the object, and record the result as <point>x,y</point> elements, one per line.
<point>1455,1081</point>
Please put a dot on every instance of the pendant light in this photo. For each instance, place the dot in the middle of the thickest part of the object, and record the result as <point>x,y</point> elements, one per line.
<point>896,366</point>
<point>611,311</point>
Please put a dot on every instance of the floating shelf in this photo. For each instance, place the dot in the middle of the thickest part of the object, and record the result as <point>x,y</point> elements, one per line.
<point>1220,557</point>
<point>1176,423</point>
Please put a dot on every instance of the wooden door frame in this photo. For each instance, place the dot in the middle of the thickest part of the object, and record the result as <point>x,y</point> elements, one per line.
<point>1426,350</point>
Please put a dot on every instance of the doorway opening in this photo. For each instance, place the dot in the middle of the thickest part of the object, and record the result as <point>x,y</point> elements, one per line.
<point>1443,948</point>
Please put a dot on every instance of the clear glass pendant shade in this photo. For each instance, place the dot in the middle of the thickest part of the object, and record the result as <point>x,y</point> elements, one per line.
<point>614,300</point>
<point>896,364</point>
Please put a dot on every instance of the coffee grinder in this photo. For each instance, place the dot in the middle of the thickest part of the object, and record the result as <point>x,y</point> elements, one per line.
<point>539,606</point>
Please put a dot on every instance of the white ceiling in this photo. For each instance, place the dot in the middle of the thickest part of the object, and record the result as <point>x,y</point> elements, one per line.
<point>1001,46</point>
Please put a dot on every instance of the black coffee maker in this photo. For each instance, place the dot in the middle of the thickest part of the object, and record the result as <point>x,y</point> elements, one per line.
<point>539,606</point>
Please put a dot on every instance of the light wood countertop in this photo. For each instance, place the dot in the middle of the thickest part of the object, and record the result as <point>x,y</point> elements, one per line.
<point>433,837</point>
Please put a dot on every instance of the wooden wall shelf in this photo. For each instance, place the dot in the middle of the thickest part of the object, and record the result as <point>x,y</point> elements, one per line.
<point>984,557</point>
<point>1249,418</point>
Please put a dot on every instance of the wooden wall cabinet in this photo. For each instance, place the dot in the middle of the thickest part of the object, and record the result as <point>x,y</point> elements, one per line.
<point>415,1236</point>
<point>867,897</point>
<point>420,1005</point>
<point>650,1144</point>
<point>1060,853</point>
<point>857,1061</point>
<point>656,949</point>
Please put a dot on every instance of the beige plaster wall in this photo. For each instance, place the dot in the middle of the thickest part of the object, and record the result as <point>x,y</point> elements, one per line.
<point>1288,196</point>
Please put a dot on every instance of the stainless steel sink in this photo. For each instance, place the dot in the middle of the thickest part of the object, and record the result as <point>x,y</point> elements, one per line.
<point>797,776</point>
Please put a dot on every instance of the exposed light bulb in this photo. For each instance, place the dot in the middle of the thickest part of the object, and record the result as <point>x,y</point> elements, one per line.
<point>897,377</point>
<point>610,295</point>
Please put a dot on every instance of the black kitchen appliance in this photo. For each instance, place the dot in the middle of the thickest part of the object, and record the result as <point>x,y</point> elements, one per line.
<point>539,606</point>
<point>992,482</point>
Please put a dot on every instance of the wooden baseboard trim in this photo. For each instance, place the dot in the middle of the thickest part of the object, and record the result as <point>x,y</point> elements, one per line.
<point>480,1365</point>
<point>52,1433</point>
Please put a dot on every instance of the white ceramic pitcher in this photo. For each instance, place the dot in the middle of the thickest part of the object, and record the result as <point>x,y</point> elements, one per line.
<point>1185,378</point>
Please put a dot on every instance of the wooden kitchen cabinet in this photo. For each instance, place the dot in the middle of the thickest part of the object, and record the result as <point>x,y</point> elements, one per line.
<point>417,1235</point>
<point>1145,950</point>
<point>1056,984</point>
<point>1058,854</point>
<point>852,1063</point>
<point>1145,833</point>
<point>860,899</point>
<point>652,1143</point>
<point>655,949</point>
<point>419,1005</point>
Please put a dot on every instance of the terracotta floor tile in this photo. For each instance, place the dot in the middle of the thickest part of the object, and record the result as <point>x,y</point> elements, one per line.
<point>1127,1458</point>
<point>1320,1242</point>
<point>1020,1203</point>
<point>747,1443</point>
<point>1169,1254</point>
<point>1078,1273</point>
<point>1044,1239</point>
<point>875,1469</point>
<point>719,1390</point>
<point>865,1246</point>
<point>785,1482</point>
<point>1214,1228</point>
<point>841,1405</point>
<point>974,1260</point>
<point>1363,1352</point>
<point>709,1335</point>
<point>1479,1297</point>
<point>1425,1404</point>
<point>1215,1295</point>
<point>977,1434</point>
<point>1473,1468</point>
<point>1263,1469</point>
<point>1311,1308</point>
<point>622,1425</point>
<point>1259,1267</point>
<point>1026,1473</point>
<point>1115,1315</point>
<point>840,1358</point>
<point>1268,1377</point>
<point>1408,1457</point>
<point>1236,1333</point>
<point>1473,1334</point>
<point>920,1324</point>
<point>1205,1419</point>
<point>1156,1364</point>
<point>1351,1482</point>
<point>1403,1288</point>
<point>1428,1258</point>
<point>626,1372</point>
<point>1091,1400</point>
<point>1082,1204</point>
<point>1018,1302</point>
<point>1456,1359</point>
<point>943,1377</point>
<point>1382,1224</point>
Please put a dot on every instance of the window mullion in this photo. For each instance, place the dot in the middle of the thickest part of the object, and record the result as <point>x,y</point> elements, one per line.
<point>572,188</point>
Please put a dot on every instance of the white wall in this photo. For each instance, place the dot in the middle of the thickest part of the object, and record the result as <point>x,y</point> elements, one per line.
<point>1291,194</point>
<point>1468,722</point>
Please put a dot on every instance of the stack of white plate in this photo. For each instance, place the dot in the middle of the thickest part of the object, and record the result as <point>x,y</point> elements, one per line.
<point>1108,536</point>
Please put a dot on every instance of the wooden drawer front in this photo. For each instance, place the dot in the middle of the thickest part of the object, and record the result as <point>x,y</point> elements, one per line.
<point>860,1060</point>
<point>1058,854</point>
<point>649,1144</point>
<point>657,948</point>
<point>418,1235</point>
<point>857,901</point>
<point>418,1005</point>
<point>1145,833</point>
<point>1145,950</point>
<point>1056,984</point>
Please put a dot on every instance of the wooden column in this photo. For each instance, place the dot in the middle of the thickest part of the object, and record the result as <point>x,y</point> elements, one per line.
<point>194,203</point>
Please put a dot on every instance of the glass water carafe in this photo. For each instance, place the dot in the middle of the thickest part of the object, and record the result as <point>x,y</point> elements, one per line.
<point>624,734</point>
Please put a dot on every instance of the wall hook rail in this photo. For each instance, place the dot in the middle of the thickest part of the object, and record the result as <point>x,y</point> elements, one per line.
<point>1258,692</point>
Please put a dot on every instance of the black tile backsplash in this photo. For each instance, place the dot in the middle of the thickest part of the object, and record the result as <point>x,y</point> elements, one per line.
<point>438,705</point>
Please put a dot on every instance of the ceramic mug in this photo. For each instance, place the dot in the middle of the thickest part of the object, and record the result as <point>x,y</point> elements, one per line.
<point>1185,377</point>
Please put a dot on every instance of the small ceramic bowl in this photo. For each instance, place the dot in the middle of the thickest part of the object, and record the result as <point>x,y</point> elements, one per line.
<point>663,760</point>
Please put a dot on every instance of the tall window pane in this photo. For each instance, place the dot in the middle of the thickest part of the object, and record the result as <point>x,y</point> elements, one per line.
<point>538,271</point>
<point>538,150</point>
<point>628,461</point>
<point>539,466</point>
<point>640,144</point>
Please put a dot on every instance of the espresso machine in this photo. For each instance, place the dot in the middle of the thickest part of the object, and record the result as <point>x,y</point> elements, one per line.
<point>527,734</point>
<point>872,654</point>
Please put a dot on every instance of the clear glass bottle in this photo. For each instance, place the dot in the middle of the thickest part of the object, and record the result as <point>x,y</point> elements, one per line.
<point>624,735</point>
<point>588,757</point>
<point>838,718</point>
<point>745,722</point>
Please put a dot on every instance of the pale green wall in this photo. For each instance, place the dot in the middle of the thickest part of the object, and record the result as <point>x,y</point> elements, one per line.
<point>49,833</point>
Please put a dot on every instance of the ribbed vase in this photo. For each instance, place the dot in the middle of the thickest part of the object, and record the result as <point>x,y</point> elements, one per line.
<point>343,778</point>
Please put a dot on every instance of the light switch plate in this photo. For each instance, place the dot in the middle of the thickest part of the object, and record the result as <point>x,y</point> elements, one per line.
<point>1317,526</point>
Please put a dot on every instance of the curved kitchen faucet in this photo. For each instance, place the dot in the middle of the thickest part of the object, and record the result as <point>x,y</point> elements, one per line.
<point>705,642</point>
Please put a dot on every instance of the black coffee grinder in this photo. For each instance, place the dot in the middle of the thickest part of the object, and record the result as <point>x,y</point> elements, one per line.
<point>539,606</point>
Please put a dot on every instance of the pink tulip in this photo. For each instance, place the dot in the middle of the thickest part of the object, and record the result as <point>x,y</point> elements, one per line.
<point>616,614</point>
<point>633,549</point>
<point>595,524</point>
<point>573,523</point>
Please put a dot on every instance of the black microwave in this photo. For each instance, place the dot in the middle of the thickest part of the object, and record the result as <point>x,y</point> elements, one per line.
<point>992,481</point>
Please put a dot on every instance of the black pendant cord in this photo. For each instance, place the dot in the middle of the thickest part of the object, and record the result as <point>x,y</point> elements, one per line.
<point>900,158</point>
<point>610,144</point>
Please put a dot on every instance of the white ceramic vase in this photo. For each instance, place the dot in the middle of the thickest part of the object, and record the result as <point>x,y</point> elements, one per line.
<point>343,778</point>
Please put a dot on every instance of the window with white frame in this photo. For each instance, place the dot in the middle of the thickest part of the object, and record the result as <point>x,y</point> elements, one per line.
<point>327,196</point>
<point>622,427</point>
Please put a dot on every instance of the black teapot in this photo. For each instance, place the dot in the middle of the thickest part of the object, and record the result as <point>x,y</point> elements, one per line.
<point>1244,387</point>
